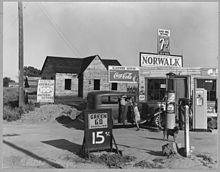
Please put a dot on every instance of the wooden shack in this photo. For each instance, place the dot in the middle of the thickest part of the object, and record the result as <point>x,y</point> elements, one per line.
<point>78,76</point>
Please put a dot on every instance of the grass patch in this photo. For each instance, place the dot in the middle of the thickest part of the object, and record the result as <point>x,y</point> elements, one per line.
<point>112,160</point>
<point>11,111</point>
<point>149,164</point>
<point>206,158</point>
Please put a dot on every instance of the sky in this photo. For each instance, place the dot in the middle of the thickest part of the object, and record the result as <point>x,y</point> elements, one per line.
<point>112,30</point>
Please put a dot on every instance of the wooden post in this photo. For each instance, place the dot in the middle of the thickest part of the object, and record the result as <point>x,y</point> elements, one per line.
<point>186,132</point>
<point>20,53</point>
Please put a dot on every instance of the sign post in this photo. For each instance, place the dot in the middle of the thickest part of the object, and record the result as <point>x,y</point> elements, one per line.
<point>98,131</point>
<point>186,132</point>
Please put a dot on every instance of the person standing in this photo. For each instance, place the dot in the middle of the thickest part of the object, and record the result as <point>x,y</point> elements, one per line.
<point>137,117</point>
<point>123,109</point>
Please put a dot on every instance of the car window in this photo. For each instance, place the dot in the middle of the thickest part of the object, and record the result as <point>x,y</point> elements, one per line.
<point>113,99</point>
<point>109,99</point>
<point>104,99</point>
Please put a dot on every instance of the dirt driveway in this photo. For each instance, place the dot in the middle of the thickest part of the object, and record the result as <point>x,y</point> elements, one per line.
<point>56,145</point>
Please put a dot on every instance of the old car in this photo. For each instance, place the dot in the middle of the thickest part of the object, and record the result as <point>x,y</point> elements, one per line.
<point>108,100</point>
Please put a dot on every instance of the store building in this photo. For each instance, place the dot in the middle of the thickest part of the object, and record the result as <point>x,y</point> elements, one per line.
<point>152,86</point>
<point>78,76</point>
<point>189,82</point>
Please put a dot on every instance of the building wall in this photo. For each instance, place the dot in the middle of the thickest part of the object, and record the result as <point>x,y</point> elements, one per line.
<point>60,84</point>
<point>95,70</point>
<point>157,72</point>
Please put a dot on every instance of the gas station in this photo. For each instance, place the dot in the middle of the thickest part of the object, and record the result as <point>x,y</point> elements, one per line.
<point>197,84</point>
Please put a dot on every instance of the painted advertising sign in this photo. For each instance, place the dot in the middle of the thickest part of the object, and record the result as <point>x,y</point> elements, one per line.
<point>45,91</point>
<point>98,129</point>
<point>163,41</point>
<point>149,59</point>
<point>209,72</point>
<point>123,74</point>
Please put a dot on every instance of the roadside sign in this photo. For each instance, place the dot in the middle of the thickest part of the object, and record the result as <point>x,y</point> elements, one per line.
<point>123,74</point>
<point>98,129</point>
<point>163,41</point>
<point>45,91</point>
<point>159,60</point>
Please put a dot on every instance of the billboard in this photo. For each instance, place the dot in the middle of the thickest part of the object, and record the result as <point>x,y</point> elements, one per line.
<point>98,129</point>
<point>163,41</point>
<point>123,74</point>
<point>149,59</point>
<point>45,91</point>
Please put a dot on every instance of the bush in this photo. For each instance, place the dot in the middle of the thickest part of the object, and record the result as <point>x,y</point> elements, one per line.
<point>11,111</point>
<point>11,114</point>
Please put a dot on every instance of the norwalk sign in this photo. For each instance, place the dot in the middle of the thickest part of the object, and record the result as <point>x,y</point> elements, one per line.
<point>149,59</point>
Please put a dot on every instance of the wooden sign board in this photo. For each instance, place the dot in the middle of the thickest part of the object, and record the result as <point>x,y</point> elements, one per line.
<point>98,129</point>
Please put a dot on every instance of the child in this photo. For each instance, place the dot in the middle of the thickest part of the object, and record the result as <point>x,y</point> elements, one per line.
<point>137,117</point>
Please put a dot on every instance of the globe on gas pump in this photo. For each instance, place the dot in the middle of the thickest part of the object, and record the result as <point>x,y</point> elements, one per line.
<point>170,120</point>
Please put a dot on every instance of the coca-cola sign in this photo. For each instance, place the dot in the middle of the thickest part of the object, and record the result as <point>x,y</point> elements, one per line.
<point>123,74</point>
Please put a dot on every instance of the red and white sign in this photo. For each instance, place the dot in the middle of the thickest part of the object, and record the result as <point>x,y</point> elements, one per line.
<point>123,74</point>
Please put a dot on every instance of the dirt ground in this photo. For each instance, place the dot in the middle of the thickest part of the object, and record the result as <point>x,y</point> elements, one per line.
<point>50,138</point>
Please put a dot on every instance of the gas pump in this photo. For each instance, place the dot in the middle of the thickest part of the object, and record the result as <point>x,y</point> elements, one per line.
<point>170,102</point>
<point>200,109</point>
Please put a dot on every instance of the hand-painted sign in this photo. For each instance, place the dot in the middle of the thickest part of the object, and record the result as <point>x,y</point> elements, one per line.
<point>148,59</point>
<point>98,129</point>
<point>209,72</point>
<point>45,91</point>
<point>163,41</point>
<point>123,74</point>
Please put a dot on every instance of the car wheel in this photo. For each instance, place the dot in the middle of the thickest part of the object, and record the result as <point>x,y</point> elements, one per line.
<point>158,121</point>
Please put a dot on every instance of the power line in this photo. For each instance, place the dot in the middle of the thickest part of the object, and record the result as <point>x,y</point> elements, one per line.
<point>14,21</point>
<point>58,30</point>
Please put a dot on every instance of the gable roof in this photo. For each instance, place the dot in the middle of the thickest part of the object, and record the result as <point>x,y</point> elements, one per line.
<point>110,62</point>
<point>74,65</point>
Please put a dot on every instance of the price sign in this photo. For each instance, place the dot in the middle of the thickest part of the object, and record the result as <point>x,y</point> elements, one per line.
<point>98,129</point>
<point>45,91</point>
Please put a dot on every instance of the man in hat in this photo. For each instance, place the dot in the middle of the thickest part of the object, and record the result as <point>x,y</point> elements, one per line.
<point>123,111</point>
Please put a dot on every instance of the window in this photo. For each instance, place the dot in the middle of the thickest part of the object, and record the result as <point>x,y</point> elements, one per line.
<point>114,86</point>
<point>156,89</point>
<point>210,86</point>
<point>96,84</point>
<point>109,99</point>
<point>67,84</point>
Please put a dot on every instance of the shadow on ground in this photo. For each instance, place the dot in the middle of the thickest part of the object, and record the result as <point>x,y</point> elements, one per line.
<point>65,145</point>
<point>153,138</point>
<point>10,135</point>
<point>33,155</point>
<point>155,153</point>
<point>70,123</point>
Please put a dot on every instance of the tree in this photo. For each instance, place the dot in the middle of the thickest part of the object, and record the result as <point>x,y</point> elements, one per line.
<point>6,81</point>
<point>31,71</point>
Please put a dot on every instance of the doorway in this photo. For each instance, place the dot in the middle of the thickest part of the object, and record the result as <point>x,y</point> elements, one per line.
<point>96,84</point>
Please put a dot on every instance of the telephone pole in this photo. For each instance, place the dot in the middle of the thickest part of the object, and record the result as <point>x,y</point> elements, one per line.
<point>20,53</point>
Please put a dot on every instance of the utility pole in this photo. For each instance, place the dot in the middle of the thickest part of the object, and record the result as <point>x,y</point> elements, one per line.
<point>20,53</point>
